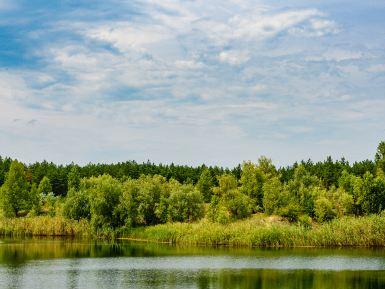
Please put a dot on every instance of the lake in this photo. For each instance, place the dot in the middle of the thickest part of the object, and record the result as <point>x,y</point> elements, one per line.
<point>60,263</point>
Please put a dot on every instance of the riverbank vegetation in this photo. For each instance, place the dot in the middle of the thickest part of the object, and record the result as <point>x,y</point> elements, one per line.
<point>316,204</point>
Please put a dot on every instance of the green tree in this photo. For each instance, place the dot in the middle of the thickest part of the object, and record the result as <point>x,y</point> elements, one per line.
<point>353,185</point>
<point>104,194</point>
<point>343,202</point>
<point>35,199</point>
<point>205,184</point>
<point>45,187</point>
<point>226,183</point>
<point>73,179</point>
<point>14,194</point>
<point>274,196</point>
<point>373,198</point>
<point>252,182</point>
<point>77,205</point>
<point>129,203</point>
<point>153,189</point>
<point>44,190</point>
<point>380,157</point>
<point>185,204</point>
<point>267,167</point>
<point>145,201</point>
<point>229,203</point>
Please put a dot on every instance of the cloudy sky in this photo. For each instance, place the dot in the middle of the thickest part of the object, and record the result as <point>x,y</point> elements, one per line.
<point>189,82</point>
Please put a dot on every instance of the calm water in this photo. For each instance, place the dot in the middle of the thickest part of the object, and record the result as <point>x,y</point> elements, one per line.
<point>57,264</point>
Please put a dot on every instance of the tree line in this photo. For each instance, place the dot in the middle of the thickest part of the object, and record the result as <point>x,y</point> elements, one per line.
<point>129,194</point>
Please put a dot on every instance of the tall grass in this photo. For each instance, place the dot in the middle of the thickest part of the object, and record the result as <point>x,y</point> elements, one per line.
<point>257,231</point>
<point>254,232</point>
<point>43,226</point>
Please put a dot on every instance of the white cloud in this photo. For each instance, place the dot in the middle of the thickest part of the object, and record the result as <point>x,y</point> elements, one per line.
<point>234,57</point>
<point>154,84</point>
<point>268,25</point>
<point>126,36</point>
<point>188,64</point>
<point>316,27</point>
<point>337,55</point>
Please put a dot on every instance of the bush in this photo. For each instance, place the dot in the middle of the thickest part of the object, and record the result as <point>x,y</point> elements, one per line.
<point>290,212</point>
<point>324,209</point>
<point>239,205</point>
<point>232,206</point>
<point>305,221</point>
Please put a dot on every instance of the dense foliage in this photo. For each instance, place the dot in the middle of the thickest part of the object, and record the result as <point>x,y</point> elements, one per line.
<point>127,195</point>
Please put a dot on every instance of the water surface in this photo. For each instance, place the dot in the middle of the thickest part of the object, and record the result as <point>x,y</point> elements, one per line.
<point>74,264</point>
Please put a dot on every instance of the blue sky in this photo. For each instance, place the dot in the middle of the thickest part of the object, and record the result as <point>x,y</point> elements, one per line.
<point>191,82</point>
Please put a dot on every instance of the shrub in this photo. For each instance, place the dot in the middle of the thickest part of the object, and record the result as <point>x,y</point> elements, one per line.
<point>290,212</point>
<point>239,205</point>
<point>305,221</point>
<point>232,206</point>
<point>324,209</point>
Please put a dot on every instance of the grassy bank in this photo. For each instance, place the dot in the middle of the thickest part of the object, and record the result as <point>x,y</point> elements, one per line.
<point>257,231</point>
<point>267,232</point>
<point>43,226</point>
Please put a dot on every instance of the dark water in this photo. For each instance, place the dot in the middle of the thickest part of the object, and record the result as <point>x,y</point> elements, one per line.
<point>72,264</point>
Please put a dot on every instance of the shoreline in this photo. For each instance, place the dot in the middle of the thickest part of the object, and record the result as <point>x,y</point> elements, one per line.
<point>255,232</point>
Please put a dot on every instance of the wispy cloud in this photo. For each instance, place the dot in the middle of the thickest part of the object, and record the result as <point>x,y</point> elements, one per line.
<point>152,79</point>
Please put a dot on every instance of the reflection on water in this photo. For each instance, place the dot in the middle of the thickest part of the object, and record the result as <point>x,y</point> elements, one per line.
<point>78,264</point>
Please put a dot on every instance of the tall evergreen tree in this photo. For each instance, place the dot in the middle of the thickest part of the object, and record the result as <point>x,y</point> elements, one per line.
<point>14,193</point>
<point>45,187</point>
<point>380,157</point>
<point>74,178</point>
<point>205,184</point>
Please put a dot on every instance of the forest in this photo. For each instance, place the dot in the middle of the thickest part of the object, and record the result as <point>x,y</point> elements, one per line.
<point>123,196</point>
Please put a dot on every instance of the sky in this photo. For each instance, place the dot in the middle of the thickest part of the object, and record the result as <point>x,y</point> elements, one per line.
<point>191,82</point>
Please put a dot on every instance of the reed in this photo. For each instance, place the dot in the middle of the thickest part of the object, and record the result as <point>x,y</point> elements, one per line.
<point>366,231</point>
<point>43,226</point>
<point>257,231</point>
